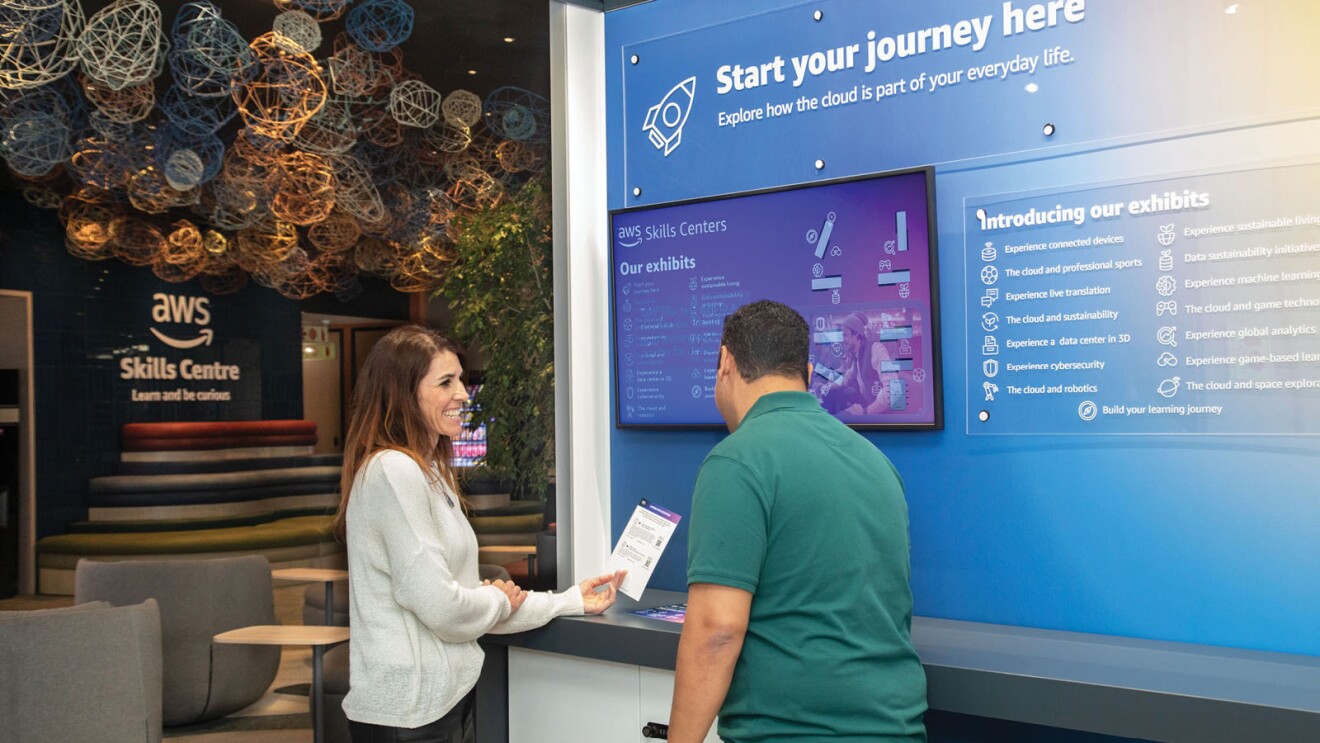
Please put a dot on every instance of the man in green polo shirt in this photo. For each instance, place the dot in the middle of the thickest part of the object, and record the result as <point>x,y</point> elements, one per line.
<point>799,606</point>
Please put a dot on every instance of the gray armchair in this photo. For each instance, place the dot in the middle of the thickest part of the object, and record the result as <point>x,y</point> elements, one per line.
<point>88,673</point>
<point>198,599</point>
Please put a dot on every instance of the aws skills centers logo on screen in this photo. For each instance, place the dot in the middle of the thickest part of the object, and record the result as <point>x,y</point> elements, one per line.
<point>664,121</point>
<point>632,235</point>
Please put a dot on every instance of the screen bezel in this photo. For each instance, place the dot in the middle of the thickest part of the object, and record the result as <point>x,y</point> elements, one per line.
<point>937,376</point>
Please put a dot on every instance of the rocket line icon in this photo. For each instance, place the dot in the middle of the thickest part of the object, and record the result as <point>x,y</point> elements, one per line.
<point>665,120</point>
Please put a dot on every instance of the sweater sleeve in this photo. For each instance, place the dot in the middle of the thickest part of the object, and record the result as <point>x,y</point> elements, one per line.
<point>396,495</point>
<point>540,608</point>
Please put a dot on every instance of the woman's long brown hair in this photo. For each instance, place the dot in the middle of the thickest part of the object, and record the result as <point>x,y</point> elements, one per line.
<point>384,413</point>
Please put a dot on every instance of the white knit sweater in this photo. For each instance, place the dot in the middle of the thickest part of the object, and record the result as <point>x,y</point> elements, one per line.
<point>416,604</point>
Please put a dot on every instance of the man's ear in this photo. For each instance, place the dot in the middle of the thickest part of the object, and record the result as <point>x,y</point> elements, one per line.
<point>810,368</point>
<point>727,365</point>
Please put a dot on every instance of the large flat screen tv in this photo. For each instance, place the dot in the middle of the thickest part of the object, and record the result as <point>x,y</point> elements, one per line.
<point>855,257</point>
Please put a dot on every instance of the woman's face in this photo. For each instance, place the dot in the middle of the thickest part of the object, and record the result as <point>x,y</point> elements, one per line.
<point>852,342</point>
<point>441,395</point>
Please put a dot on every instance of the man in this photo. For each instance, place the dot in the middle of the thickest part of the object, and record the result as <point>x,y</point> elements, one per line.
<point>799,606</point>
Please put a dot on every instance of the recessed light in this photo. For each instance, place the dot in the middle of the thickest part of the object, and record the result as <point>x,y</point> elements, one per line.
<point>1232,9</point>
<point>508,39</point>
<point>472,72</point>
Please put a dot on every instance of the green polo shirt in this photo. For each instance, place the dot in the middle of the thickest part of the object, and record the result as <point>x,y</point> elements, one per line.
<point>809,517</point>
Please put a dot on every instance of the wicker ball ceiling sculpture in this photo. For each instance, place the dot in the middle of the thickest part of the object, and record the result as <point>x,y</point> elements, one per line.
<point>462,108</point>
<point>122,44</point>
<point>252,160</point>
<point>305,192</point>
<point>285,90</point>
<point>209,54</point>
<point>321,10</point>
<point>380,25</point>
<point>38,39</point>
<point>125,106</point>
<point>414,103</point>
<point>299,28</point>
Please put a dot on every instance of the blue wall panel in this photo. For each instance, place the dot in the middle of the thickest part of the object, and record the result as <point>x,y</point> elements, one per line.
<point>1197,538</point>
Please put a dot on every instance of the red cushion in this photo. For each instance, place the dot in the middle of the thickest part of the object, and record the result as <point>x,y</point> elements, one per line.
<point>207,429</point>
<point>216,442</point>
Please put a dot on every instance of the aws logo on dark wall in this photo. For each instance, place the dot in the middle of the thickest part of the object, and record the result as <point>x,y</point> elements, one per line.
<point>183,319</point>
<point>177,310</point>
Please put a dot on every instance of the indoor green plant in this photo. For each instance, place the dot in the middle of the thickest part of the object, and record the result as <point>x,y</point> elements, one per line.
<point>500,293</point>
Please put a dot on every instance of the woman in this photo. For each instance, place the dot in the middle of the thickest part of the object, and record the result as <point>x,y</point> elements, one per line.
<point>416,603</point>
<point>862,390</point>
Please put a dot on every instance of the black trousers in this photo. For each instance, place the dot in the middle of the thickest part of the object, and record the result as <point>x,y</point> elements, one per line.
<point>457,726</point>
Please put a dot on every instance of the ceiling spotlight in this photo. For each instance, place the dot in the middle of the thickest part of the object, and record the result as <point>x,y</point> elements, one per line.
<point>1232,9</point>
<point>472,72</point>
<point>1032,87</point>
<point>1048,130</point>
<point>508,39</point>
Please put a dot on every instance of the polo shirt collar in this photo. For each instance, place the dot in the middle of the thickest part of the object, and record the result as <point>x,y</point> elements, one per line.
<point>790,400</point>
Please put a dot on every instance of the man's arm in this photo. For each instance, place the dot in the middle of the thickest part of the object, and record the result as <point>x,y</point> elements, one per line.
<point>712,638</point>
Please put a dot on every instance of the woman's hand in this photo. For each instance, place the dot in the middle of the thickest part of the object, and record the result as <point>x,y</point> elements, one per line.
<point>596,602</point>
<point>516,595</point>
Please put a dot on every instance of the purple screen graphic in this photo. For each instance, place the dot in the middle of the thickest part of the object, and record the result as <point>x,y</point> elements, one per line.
<point>855,258</point>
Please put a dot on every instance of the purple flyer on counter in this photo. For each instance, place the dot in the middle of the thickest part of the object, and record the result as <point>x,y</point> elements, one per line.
<point>667,613</point>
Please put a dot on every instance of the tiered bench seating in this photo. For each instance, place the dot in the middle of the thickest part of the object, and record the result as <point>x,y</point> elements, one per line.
<point>206,489</point>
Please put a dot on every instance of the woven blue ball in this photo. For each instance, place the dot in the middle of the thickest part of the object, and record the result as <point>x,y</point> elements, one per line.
<point>380,25</point>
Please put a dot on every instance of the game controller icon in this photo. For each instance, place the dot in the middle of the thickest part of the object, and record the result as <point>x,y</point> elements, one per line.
<point>1170,307</point>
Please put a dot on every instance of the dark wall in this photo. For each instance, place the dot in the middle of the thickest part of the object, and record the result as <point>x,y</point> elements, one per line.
<point>88,316</point>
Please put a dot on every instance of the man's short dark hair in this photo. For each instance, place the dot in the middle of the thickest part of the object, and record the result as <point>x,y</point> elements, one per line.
<point>767,338</point>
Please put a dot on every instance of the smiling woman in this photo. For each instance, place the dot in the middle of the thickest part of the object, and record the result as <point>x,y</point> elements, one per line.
<point>412,555</point>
